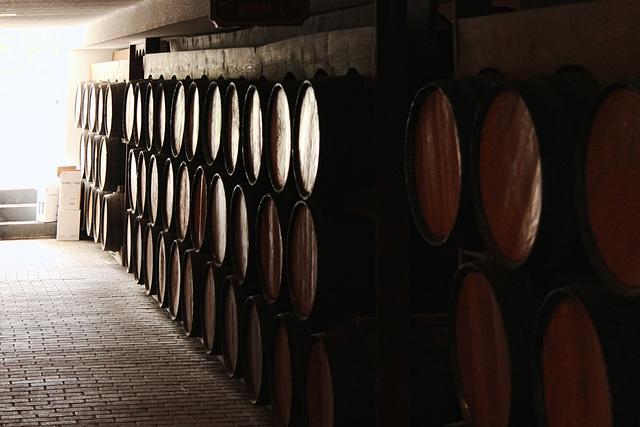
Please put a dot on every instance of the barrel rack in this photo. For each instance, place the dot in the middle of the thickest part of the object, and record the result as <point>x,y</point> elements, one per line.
<point>373,38</point>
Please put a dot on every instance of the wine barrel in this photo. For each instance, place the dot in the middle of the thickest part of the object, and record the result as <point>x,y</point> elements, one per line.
<point>101,93</point>
<point>94,101</point>
<point>113,109</point>
<point>211,128</point>
<point>113,220</point>
<point>231,125</point>
<point>217,223</point>
<point>169,178</point>
<point>278,134</point>
<point>257,353</point>
<point>253,132</point>
<point>90,210</point>
<point>132,185</point>
<point>85,193</point>
<point>112,164</point>
<point>78,105</point>
<point>84,118</point>
<point>438,137</point>
<point>607,186</point>
<point>139,245</point>
<point>163,272</point>
<point>233,297</point>
<point>196,95</point>
<point>92,155</point>
<point>157,187</point>
<point>272,219</point>
<point>290,337</point>
<point>332,151</point>
<point>98,206</point>
<point>492,319</point>
<point>151,258</point>
<point>243,211</point>
<point>143,183</point>
<point>150,129</point>
<point>129,241</point>
<point>194,265</point>
<point>522,169</point>
<point>586,357</point>
<point>182,199</point>
<point>211,310</point>
<point>178,250</point>
<point>82,153</point>
<point>340,378</point>
<point>330,263</point>
<point>179,118</point>
<point>129,113</point>
<point>199,208</point>
<point>141,120</point>
<point>162,105</point>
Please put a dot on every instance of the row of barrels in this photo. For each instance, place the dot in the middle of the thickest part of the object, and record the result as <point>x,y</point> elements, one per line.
<point>536,179</point>
<point>239,201</point>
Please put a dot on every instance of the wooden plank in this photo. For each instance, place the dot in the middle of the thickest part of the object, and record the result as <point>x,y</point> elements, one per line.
<point>335,52</point>
<point>110,71</point>
<point>602,36</point>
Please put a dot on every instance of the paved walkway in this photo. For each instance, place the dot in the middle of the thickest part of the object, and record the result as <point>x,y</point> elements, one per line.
<point>81,343</point>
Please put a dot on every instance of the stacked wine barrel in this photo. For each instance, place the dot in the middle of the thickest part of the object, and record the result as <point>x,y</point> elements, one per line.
<point>244,211</point>
<point>534,181</point>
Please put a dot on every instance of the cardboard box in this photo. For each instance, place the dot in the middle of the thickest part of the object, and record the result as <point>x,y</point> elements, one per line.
<point>68,224</point>
<point>70,189</point>
<point>48,203</point>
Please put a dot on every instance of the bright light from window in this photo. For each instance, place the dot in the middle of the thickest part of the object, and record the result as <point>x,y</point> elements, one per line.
<point>34,69</point>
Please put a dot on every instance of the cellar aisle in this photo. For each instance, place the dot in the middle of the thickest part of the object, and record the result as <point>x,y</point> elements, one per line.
<point>81,343</point>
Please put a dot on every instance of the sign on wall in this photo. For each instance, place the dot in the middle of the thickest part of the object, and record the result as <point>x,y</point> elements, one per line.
<point>258,12</point>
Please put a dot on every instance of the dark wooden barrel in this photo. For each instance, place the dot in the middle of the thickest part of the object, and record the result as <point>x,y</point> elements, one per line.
<point>130,241</point>
<point>169,179</point>
<point>113,221</point>
<point>331,139</point>
<point>329,263</point>
<point>98,206</point>
<point>141,120</point>
<point>211,128</point>
<point>162,105</point>
<point>179,118</point>
<point>219,197</point>
<point>163,272</point>
<point>257,352</point>
<point>271,222</point>
<point>178,250</point>
<point>132,178</point>
<point>139,236</point>
<point>278,134</point>
<point>129,113</point>
<point>101,93</point>
<point>150,127</point>
<point>196,95</point>
<point>182,199</point>
<point>253,134</point>
<point>608,181</point>
<point>522,169</point>
<point>112,164</point>
<point>157,187</point>
<point>89,210</point>
<point>113,109</point>
<point>82,153</point>
<point>143,183</point>
<point>243,211</point>
<point>233,105</point>
<point>199,208</point>
<point>78,107</point>
<point>84,118</point>
<point>586,357</point>
<point>94,101</point>
<point>340,378</point>
<point>211,310</point>
<point>151,258</point>
<point>492,319</point>
<point>91,156</point>
<point>85,193</point>
<point>290,337</point>
<point>233,297</point>
<point>194,269</point>
<point>437,144</point>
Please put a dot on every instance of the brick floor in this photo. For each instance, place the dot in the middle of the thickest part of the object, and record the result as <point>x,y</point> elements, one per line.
<point>81,343</point>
